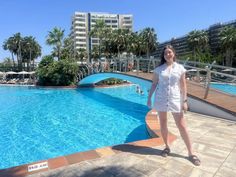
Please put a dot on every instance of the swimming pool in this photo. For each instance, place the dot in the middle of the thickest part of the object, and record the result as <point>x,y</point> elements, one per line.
<point>227,88</point>
<point>37,124</point>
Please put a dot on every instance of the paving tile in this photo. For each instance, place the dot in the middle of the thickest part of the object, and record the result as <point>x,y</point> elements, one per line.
<point>213,151</point>
<point>223,134</point>
<point>195,172</point>
<point>234,150</point>
<point>147,151</point>
<point>177,146</point>
<point>118,164</point>
<point>230,162</point>
<point>196,134</point>
<point>130,172</point>
<point>164,173</point>
<point>215,141</point>
<point>146,166</point>
<point>226,172</point>
<point>209,163</point>
<point>159,159</point>
<point>177,166</point>
<point>98,172</point>
<point>118,160</point>
<point>114,170</point>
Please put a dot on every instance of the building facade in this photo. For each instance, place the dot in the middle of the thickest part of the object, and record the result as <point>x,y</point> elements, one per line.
<point>83,23</point>
<point>181,45</point>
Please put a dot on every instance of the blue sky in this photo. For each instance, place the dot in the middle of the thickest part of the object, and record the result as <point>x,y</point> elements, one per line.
<point>173,18</point>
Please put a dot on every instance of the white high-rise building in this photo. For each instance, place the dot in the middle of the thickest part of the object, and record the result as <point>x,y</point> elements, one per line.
<point>79,30</point>
<point>83,23</point>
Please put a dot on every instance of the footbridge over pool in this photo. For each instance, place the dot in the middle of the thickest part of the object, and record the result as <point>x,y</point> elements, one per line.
<point>95,78</point>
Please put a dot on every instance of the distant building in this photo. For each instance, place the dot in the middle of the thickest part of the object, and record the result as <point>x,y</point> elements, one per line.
<point>82,24</point>
<point>181,46</point>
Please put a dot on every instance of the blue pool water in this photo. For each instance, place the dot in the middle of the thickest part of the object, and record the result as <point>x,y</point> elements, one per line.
<point>37,124</point>
<point>231,89</point>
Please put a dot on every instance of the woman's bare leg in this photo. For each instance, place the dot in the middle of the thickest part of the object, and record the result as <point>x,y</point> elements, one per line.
<point>164,128</point>
<point>181,124</point>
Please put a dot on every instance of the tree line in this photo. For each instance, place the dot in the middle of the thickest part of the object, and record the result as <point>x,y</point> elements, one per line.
<point>60,68</point>
<point>24,50</point>
<point>225,54</point>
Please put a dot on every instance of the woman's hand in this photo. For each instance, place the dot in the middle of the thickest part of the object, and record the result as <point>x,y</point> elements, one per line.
<point>185,107</point>
<point>149,103</point>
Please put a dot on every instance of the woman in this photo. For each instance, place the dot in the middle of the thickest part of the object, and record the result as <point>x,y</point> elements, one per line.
<point>171,96</point>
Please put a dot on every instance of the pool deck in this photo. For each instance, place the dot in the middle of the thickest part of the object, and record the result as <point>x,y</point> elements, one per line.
<point>214,141</point>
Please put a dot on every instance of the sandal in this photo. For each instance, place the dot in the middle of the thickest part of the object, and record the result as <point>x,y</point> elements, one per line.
<point>165,152</point>
<point>194,159</point>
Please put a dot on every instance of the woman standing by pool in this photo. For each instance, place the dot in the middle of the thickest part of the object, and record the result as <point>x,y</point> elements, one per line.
<point>171,96</point>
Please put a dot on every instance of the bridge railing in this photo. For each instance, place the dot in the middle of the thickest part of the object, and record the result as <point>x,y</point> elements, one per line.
<point>202,73</point>
<point>205,74</point>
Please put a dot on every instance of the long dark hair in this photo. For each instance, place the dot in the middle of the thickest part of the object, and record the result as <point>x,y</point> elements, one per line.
<point>163,53</point>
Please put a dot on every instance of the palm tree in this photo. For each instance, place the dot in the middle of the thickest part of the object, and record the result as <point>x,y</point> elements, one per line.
<point>67,51</point>
<point>13,44</point>
<point>31,50</point>
<point>81,54</point>
<point>6,65</point>
<point>95,52</point>
<point>17,39</point>
<point>150,40</point>
<point>55,38</point>
<point>136,43</point>
<point>198,42</point>
<point>9,45</point>
<point>109,47</point>
<point>100,31</point>
<point>228,43</point>
<point>120,38</point>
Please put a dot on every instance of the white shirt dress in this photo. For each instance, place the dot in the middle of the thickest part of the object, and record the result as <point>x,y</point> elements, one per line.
<point>167,95</point>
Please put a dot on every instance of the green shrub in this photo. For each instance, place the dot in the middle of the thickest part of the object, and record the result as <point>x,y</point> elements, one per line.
<point>56,73</point>
<point>111,81</point>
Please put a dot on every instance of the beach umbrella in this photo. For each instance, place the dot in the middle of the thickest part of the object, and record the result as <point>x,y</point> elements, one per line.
<point>191,70</point>
<point>11,72</point>
<point>227,70</point>
<point>23,72</point>
<point>32,72</point>
<point>32,76</point>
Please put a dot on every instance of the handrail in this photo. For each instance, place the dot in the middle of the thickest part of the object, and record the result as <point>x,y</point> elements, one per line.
<point>205,72</point>
<point>224,74</point>
<point>206,64</point>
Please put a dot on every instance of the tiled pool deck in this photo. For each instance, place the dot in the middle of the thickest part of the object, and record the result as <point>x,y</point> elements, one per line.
<point>214,141</point>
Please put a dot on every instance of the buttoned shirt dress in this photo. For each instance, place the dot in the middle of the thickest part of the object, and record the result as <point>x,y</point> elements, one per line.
<point>167,97</point>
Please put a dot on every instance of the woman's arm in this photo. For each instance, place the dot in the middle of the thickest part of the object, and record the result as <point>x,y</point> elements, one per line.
<point>153,88</point>
<point>183,89</point>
